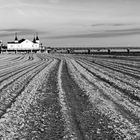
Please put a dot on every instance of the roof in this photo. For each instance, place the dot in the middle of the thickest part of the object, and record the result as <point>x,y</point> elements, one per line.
<point>20,41</point>
<point>12,42</point>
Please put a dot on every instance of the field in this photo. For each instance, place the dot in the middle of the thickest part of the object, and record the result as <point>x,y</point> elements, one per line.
<point>69,97</point>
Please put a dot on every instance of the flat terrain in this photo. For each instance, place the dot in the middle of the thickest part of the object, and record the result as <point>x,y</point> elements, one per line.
<point>69,97</point>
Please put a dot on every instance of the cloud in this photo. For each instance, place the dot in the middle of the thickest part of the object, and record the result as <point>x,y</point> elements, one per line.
<point>20,11</point>
<point>109,24</point>
<point>106,33</point>
<point>22,31</point>
<point>40,1</point>
<point>131,30</point>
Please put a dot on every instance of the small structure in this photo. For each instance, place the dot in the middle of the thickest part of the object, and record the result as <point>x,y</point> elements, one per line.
<point>24,44</point>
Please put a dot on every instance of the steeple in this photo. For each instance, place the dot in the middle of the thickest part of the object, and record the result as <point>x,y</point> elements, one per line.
<point>37,38</point>
<point>34,40</point>
<point>16,39</point>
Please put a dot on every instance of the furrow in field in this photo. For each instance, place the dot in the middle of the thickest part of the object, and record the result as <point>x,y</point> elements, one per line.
<point>18,66</point>
<point>4,65</point>
<point>125,66</point>
<point>133,59</point>
<point>123,125</point>
<point>44,118</point>
<point>129,105</point>
<point>121,67</point>
<point>13,61</point>
<point>11,76</point>
<point>25,118</point>
<point>11,92</point>
<point>85,119</point>
<point>117,75</point>
<point>7,57</point>
<point>126,63</point>
<point>136,76</point>
<point>70,130</point>
<point>9,79</point>
<point>6,75</point>
<point>122,76</point>
<point>131,93</point>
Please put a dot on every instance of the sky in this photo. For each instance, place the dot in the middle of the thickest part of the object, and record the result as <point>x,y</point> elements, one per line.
<point>79,23</point>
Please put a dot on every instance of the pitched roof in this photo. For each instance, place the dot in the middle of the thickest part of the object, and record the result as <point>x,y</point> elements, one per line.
<point>21,40</point>
<point>12,42</point>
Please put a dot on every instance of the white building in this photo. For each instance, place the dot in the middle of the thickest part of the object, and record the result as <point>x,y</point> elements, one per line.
<point>24,44</point>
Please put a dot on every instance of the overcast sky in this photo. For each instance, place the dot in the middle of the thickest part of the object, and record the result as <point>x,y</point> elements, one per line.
<point>72,22</point>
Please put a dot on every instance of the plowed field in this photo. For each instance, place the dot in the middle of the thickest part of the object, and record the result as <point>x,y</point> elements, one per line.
<point>69,97</point>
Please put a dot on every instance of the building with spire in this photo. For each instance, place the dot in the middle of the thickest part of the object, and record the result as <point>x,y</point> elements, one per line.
<point>24,44</point>
<point>16,39</point>
<point>37,38</point>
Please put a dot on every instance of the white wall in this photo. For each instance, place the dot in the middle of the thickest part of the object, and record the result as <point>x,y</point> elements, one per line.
<point>13,46</point>
<point>25,45</point>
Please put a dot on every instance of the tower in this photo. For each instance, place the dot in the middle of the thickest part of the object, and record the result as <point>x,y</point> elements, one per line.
<point>34,40</point>
<point>16,39</point>
<point>37,39</point>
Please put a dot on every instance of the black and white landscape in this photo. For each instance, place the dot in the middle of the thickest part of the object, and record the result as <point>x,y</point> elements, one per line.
<point>70,70</point>
<point>74,97</point>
